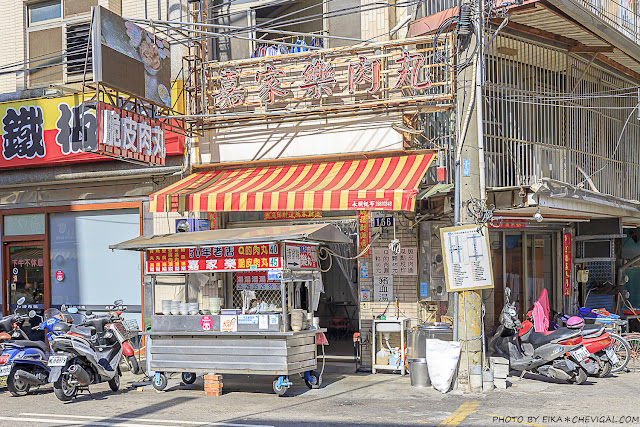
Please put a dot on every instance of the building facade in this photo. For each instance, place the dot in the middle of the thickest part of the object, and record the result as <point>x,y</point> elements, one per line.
<point>62,207</point>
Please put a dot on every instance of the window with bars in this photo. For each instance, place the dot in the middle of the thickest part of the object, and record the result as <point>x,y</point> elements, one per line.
<point>57,38</point>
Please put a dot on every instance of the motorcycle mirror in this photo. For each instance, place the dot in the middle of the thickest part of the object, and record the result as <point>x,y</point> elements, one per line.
<point>21,301</point>
<point>63,307</point>
<point>89,312</point>
<point>32,314</point>
<point>72,310</point>
<point>117,302</point>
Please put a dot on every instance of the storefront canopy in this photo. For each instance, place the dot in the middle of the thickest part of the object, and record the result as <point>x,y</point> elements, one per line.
<point>384,183</point>
<point>326,233</point>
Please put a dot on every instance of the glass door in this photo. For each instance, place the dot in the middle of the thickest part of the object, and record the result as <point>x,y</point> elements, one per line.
<point>539,267</point>
<point>25,278</point>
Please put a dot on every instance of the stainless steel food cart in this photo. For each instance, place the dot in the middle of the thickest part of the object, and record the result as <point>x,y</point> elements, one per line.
<point>257,340</point>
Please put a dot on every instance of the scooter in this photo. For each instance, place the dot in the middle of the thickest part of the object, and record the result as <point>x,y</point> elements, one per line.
<point>122,333</point>
<point>85,354</point>
<point>29,366</point>
<point>598,342</point>
<point>558,354</point>
<point>16,344</point>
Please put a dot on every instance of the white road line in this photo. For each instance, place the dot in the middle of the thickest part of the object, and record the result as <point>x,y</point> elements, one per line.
<point>74,422</point>
<point>144,420</point>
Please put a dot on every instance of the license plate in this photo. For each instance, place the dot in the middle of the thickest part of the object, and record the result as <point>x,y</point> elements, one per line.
<point>57,360</point>
<point>4,371</point>
<point>580,354</point>
<point>611,355</point>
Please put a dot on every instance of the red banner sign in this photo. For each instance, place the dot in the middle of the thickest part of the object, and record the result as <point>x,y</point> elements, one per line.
<point>509,223</point>
<point>46,132</point>
<point>125,134</point>
<point>214,258</point>
<point>363,231</point>
<point>274,215</point>
<point>567,254</point>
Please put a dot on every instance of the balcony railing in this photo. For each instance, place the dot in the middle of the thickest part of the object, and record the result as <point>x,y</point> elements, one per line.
<point>619,14</point>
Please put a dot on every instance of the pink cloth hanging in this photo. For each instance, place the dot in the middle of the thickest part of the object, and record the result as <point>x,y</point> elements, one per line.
<point>541,312</point>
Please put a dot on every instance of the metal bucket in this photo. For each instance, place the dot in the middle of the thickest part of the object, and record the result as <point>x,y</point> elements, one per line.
<point>417,337</point>
<point>419,373</point>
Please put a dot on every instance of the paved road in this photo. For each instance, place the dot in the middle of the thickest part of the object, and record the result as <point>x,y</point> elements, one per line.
<point>344,400</point>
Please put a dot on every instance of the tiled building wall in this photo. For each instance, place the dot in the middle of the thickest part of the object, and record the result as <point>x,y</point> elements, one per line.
<point>405,288</point>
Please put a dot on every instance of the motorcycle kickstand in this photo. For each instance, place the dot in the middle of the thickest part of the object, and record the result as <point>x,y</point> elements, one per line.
<point>523,373</point>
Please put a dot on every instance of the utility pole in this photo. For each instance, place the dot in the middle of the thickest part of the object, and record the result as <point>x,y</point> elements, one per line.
<point>469,183</point>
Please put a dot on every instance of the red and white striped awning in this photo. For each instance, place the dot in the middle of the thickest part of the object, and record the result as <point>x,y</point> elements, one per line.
<point>384,183</point>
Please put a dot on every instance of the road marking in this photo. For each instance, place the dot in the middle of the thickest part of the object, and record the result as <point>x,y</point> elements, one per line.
<point>520,422</point>
<point>143,420</point>
<point>457,416</point>
<point>78,422</point>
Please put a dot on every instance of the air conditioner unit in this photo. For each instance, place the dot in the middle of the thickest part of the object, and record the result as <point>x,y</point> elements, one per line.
<point>192,224</point>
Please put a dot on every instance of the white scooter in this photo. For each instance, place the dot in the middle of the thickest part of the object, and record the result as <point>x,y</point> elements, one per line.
<point>85,354</point>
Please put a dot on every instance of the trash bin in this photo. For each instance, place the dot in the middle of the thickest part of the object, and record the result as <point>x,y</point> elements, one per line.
<point>419,372</point>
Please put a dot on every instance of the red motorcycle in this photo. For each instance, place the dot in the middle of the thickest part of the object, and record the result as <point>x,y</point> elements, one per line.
<point>124,330</point>
<point>594,338</point>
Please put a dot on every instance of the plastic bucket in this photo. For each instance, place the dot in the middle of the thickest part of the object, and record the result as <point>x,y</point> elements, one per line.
<point>419,373</point>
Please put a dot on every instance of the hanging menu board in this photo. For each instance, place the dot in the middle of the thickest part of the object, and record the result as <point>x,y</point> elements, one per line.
<point>386,262</point>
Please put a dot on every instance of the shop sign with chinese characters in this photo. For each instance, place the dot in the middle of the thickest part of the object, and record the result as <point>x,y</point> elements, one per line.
<point>256,281</point>
<point>275,215</point>
<point>46,132</point>
<point>214,258</point>
<point>125,134</point>
<point>363,232</point>
<point>566,264</point>
<point>404,264</point>
<point>371,76</point>
<point>301,256</point>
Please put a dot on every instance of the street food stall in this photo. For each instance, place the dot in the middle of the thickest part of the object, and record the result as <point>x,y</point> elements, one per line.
<point>246,301</point>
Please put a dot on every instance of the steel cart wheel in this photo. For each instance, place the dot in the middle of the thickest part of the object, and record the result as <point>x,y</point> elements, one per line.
<point>17,387</point>
<point>279,389</point>
<point>189,377</point>
<point>160,381</point>
<point>312,379</point>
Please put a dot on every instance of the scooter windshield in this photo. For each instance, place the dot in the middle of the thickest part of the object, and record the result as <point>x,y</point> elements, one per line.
<point>51,312</point>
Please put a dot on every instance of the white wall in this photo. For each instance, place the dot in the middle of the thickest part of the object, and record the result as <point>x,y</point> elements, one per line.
<point>299,139</point>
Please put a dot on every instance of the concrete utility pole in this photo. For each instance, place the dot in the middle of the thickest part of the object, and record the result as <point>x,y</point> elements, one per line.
<point>470,184</point>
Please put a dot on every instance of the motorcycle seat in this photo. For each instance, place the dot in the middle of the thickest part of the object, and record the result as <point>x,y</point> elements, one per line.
<point>97,323</point>
<point>540,338</point>
<point>6,324</point>
<point>84,331</point>
<point>591,331</point>
<point>30,344</point>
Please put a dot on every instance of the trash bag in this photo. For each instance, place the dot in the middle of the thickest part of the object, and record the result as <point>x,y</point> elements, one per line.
<point>442,360</point>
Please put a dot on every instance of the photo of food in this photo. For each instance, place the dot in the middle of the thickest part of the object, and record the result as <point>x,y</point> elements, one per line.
<point>146,58</point>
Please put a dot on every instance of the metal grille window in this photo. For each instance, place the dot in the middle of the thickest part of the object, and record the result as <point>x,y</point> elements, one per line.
<point>269,296</point>
<point>77,40</point>
<point>542,120</point>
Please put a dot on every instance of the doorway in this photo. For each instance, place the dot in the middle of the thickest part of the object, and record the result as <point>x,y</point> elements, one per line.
<point>25,277</point>
<point>540,267</point>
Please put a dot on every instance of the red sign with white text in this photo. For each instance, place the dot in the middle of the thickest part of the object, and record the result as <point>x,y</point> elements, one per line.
<point>46,132</point>
<point>214,258</point>
<point>567,250</point>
